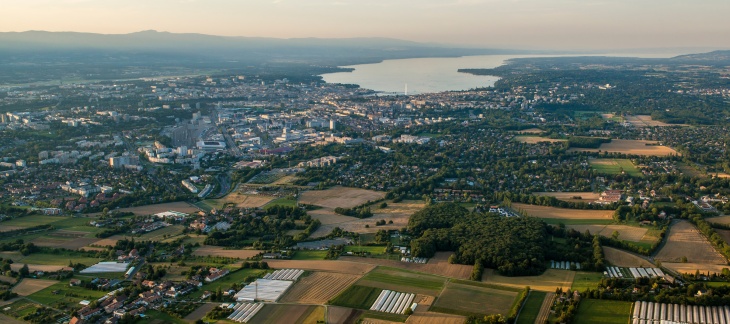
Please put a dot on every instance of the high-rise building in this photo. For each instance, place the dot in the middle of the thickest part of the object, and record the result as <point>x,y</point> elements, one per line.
<point>332,124</point>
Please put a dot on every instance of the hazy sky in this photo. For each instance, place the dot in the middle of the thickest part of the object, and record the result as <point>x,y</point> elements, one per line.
<point>546,24</point>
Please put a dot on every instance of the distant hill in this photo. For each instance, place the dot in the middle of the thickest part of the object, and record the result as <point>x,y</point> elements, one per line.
<point>715,57</point>
<point>153,45</point>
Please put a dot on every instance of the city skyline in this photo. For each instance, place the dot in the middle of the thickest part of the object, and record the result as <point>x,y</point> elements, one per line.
<point>518,24</point>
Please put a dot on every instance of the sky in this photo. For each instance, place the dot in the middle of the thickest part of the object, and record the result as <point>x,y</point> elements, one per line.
<point>516,24</point>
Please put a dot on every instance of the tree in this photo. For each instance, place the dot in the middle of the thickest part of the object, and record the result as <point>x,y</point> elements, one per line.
<point>24,271</point>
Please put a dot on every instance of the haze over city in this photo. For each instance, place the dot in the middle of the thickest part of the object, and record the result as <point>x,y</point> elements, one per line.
<point>518,24</point>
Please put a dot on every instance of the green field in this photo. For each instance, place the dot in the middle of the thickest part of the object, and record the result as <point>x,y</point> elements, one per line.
<point>531,308</point>
<point>20,308</point>
<point>366,248</point>
<point>383,316</point>
<point>615,166</point>
<point>355,296</point>
<point>227,281</point>
<point>33,220</point>
<point>283,201</point>
<point>309,255</point>
<point>61,259</point>
<point>162,233</point>
<point>585,280</point>
<point>603,312</point>
<point>471,300</point>
<point>157,317</point>
<point>403,281</point>
<point>61,295</point>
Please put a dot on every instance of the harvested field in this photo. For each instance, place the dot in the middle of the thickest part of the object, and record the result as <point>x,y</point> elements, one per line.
<point>200,312</point>
<point>162,233</point>
<point>440,267</point>
<point>342,315</point>
<point>647,121</point>
<point>535,139</point>
<point>110,241</point>
<point>684,240</point>
<point>624,259</point>
<point>7,279</point>
<point>463,298</point>
<point>435,318</point>
<point>562,213</point>
<point>530,131</point>
<point>209,250</point>
<point>636,147</point>
<point>725,234</point>
<point>719,220</point>
<point>627,233</point>
<point>337,266</point>
<point>179,206</point>
<point>339,197</point>
<point>37,267</point>
<point>399,213</point>
<point>71,244</point>
<point>691,268</point>
<point>7,228</point>
<point>241,200</point>
<point>274,313</point>
<point>318,288</point>
<point>569,196</point>
<point>547,281</point>
<point>30,286</point>
<point>68,234</point>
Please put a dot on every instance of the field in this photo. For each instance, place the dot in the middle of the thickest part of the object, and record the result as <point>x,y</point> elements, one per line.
<point>30,286</point>
<point>399,213</point>
<point>530,131</point>
<point>240,200</point>
<point>684,240</point>
<point>568,196</point>
<point>361,297</point>
<point>563,213</point>
<point>323,265</point>
<point>318,288</point>
<point>719,220</point>
<point>627,233</point>
<point>548,281</point>
<point>109,241</point>
<point>200,312</point>
<point>536,139</point>
<point>725,234</point>
<point>60,294</point>
<point>71,244</point>
<point>342,315</point>
<point>309,255</point>
<point>603,311</point>
<point>235,277</point>
<point>462,299</point>
<point>61,259</point>
<point>438,265</point>
<point>615,166</point>
<point>692,268</point>
<point>403,281</point>
<point>339,197</point>
<point>162,233</point>
<point>293,314</point>
<point>29,221</point>
<point>209,250</point>
<point>531,309</point>
<point>179,206</point>
<point>636,147</point>
<point>646,121</point>
<point>621,258</point>
<point>585,280</point>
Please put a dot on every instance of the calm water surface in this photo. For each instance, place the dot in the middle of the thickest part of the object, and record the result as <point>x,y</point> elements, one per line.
<point>427,75</point>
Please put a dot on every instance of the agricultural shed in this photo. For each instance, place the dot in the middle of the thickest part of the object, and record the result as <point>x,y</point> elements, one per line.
<point>263,290</point>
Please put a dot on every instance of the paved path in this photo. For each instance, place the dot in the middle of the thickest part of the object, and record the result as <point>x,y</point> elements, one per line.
<point>545,308</point>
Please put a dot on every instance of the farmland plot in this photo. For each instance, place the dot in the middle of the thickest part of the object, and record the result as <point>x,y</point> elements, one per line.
<point>563,213</point>
<point>436,267</point>
<point>465,299</point>
<point>337,266</point>
<point>624,259</point>
<point>209,250</point>
<point>403,281</point>
<point>273,313</point>
<point>30,286</point>
<point>339,197</point>
<point>636,147</point>
<point>685,241</point>
<point>571,196</point>
<point>398,213</point>
<point>318,288</point>
<point>547,281</point>
<point>536,139</point>
<point>627,233</point>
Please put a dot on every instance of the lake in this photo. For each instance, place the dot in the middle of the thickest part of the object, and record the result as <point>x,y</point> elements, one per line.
<point>436,74</point>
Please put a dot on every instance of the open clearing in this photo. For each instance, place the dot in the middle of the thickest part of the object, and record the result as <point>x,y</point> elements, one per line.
<point>615,166</point>
<point>684,240</point>
<point>403,281</point>
<point>627,233</point>
<point>536,139</point>
<point>621,258</point>
<point>338,266</point>
<point>571,196</point>
<point>209,250</point>
<point>30,286</point>
<point>339,197</point>
<point>562,213</point>
<point>692,268</point>
<point>71,244</point>
<point>548,281</point>
<point>647,121</point>
<point>399,213</point>
<point>603,311</point>
<point>438,265</point>
<point>636,147</point>
<point>465,299</point>
<point>240,200</point>
<point>179,206</point>
<point>273,313</point>
<point>318,288</point>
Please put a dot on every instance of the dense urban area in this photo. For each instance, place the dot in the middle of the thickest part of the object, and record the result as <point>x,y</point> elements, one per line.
<point>575,190</point>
